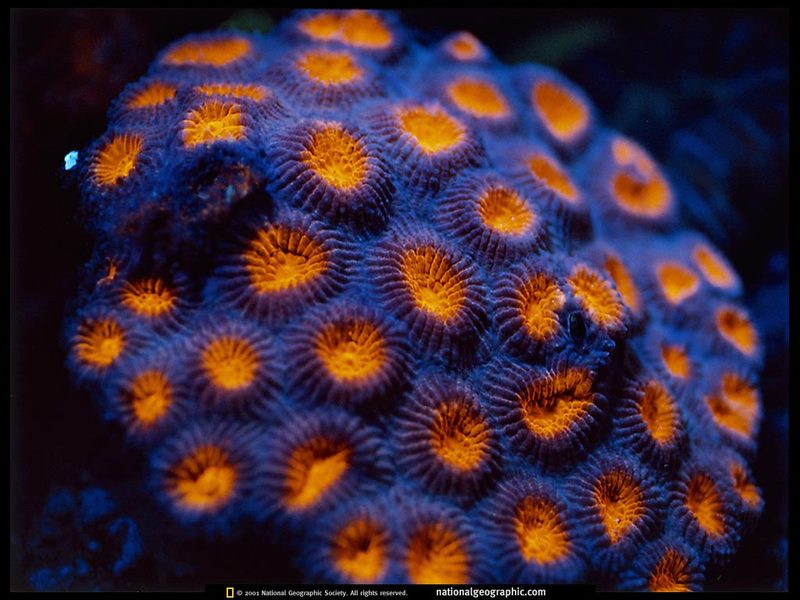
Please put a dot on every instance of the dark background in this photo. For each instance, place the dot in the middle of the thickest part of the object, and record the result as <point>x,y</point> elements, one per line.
<point>654,75</point>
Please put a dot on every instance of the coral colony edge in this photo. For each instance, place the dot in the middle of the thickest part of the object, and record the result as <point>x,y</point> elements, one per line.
<point>412,314</point>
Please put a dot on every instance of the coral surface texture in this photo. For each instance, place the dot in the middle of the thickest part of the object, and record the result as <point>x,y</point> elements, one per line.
<point>413,315</point>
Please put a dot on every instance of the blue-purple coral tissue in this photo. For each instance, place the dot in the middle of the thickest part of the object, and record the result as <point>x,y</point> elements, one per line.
<point>414,310</point>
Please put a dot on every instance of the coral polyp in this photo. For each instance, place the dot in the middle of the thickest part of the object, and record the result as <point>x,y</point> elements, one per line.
<point>413,315</point>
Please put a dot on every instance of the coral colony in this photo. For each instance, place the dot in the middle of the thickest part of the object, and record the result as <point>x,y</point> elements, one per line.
<point>416,313</point>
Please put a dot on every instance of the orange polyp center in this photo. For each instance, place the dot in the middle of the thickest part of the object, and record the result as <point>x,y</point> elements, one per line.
<point>539,300</point>
<point>622,279</point>
<point>337,157</point>
<point>322,26</point>
<point>352,351</point>
<point>676,361</point>
<point>330,68</point>
<point>365,30</point>
<point>312,469</point>
<point>743,486</point>
<point>117,159</point>
<point>434,284</point>
<point>215,53</point>
<point>737,330</point>
<point>658,412</point>
<point>705,504</point>
<point>279,259</point>
<point>234,90</point>
<point>150,396</point>
<point>464,46</point>
<point>99,343</point>
<point>155,94</point>
<point>204,480</point>
<point>713,267</point>
<point>213,121</point>
<point>435,554</point>
<point>740,393</point>
<point>552,404</point>
<point>478,98</point>
<point>564,115</point>
<point>356,28</point>
<point>596,296</point>
<point>620,502</point>
<point>671,573</point>
<point>148,297</point>
<point>677,282</point>
<point>459,435</point>
<point>736,405</point>
<point>540,531</point>
<point>359,550</point>
<point>645,193</point>
<point>433,130</point>
<point>230,363</point>
<point>551,174</point>
<point>504,211</point>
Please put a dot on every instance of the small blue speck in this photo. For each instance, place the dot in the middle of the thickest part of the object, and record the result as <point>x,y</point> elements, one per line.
<point>70,160</point>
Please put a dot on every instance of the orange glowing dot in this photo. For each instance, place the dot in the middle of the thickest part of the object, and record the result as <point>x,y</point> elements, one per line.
<point>563,113</point>
<point>540,531</point>
<point>739,392</point>
<point>433,130</point>
<point>117,159</point>
<point>150,396</point>
<point>312,469</point>
<point>359,550</point>
<point>478,98</point>
<point>658,412</point>
<point>705,504</point>
<point>727,416</point>
<point>234,90</point>
<point>464,46</point>
<point>671,573</point>
<point>434,283</point>
<point>365,30</point>
<point>620,502</point>
<point>330,68</point>
<point>337,157</point>
<point>743,486</point>
<point>435,554</point>
<point>548,172</point>
<point>99,343</point>
<point>205,480</point>
<point>622,279</point>
<point>215,53</point>
<point>230,362</point>
<point>713,267</point>
<point>552,404</point>
<point>280,258</point>
<point>676,361</point>
<point>148,297</point>
<point>351,351</point>
<point>155,94</point>
<point>596,296</point>
<point>539,300</point>
<point>735,407</point>
<point>504,211</point>
<point>734,326</point>
<point>321,26</point>
<point>677,282</point>
<point>211,122</point>
<point>645,194</point>
<point>648,198</point>
<point>459,435</point>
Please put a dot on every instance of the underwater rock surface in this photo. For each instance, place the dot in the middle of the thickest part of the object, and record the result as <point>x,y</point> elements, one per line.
<point>414,312</point>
